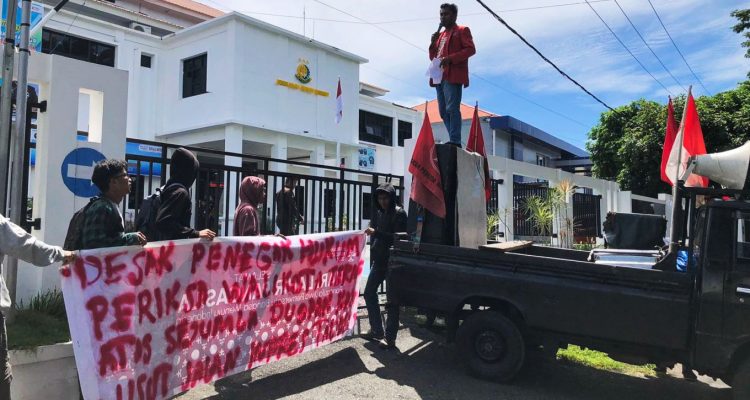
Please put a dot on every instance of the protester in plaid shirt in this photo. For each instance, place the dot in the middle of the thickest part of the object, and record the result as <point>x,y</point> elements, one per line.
<point>103,225</point>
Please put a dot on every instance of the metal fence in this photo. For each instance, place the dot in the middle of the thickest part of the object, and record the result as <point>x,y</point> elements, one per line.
<point>330,198</point>
<point>587,216</point>
<point>522,225</point>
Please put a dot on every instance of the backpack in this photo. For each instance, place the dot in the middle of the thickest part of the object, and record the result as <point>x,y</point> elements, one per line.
<point>75,228</point>
<point>145,221</point>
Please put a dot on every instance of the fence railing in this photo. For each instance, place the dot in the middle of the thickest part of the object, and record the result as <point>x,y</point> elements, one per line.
<point>330,198</point>
<point>587,220</point>
<point>522,225</point>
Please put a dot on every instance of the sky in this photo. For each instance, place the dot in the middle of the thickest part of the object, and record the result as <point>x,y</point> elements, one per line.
<point>510,79</point>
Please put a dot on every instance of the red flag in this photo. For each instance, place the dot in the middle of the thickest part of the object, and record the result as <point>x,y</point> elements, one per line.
<point>476,145</point>
<point>690,136</point>
<point>426,186</point>
<point>669,136</point>
<point>339,104</point>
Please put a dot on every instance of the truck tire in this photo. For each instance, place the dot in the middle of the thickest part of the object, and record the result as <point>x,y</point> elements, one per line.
<point>491,346</point>
<point>741,382</point>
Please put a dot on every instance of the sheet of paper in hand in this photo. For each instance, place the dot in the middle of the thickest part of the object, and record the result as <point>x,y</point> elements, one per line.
<point>434,71</point>
<point>150,322</point>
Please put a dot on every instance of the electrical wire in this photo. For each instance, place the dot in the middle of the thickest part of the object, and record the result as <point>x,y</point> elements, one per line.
<point>647,45</point>
<point>472,74</point>
<point>412,19</point>
<point>626,48</point>
<point>678,49</point>
<point>539,53</point>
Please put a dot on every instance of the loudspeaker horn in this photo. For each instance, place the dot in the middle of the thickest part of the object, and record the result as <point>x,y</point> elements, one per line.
<point>728,168</point>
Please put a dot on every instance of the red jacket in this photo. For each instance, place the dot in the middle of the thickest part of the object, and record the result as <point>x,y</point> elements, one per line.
<point>460,48</point>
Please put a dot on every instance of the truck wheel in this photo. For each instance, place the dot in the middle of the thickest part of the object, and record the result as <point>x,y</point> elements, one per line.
<point>491,346</point>
<point>741,382</point>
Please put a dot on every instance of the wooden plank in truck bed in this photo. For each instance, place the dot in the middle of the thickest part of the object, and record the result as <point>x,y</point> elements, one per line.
<point>507,246</point>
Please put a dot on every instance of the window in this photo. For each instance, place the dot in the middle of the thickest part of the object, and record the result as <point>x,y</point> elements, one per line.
<point>743,239</point>
<point>542,160</point>
<point>404,132</point>
<point>375,128</point>
<point>78,48</point>
<point>194,75</point>
<point>146,60</point>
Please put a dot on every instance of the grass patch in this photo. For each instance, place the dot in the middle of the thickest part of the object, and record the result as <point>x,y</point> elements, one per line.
<point>599,360</point>
<point>40,322</point>
<point>33,328</point>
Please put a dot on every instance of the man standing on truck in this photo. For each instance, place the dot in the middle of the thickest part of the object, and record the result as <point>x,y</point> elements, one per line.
<point>450,51</point>
<point>389,220</point>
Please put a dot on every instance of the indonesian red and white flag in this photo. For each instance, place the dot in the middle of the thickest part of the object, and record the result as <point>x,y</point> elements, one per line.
<point>687,143</point>
<point>339,104</point>
<point>476,145</point>
<point>669,136</point>
<point>426,183</point>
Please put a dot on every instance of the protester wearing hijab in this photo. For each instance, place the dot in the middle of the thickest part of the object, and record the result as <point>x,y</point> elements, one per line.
<point>252,194</point>
<point>173,217</point>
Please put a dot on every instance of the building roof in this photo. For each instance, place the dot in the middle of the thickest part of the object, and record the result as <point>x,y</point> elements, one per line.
<point>197,7</point>
<point>270,28</point>
<point>372,90</point>
<point>510,124</point>
<point>467,111</point>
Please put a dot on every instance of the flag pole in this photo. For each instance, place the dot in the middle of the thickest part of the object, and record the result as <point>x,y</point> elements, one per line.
<point>676,200</point>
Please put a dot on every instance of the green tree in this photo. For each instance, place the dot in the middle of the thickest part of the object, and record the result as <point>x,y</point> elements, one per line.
<point>626,145</point>
<point>743,24</point>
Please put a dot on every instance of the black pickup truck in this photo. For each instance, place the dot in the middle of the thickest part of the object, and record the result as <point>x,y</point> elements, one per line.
<point>501,304</point>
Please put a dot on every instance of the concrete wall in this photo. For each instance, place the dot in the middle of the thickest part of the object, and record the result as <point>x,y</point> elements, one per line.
<point>61,81</point>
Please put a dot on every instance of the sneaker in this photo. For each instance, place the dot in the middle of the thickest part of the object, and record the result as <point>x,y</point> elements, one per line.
<point>372,336</point>
<point>387,344</point>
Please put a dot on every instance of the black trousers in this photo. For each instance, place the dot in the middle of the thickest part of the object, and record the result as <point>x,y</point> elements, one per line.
<point>378,274</point>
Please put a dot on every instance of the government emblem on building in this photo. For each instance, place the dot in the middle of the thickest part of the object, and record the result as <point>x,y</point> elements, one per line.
<point>303,72</point>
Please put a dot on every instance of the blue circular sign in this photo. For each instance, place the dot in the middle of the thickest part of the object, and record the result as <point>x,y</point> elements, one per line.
<point>76,170</point>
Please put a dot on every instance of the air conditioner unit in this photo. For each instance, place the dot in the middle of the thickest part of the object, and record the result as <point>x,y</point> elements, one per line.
<point>140,28</point>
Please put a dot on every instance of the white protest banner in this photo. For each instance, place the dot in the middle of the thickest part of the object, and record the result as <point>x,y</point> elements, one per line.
<point>150,322</point>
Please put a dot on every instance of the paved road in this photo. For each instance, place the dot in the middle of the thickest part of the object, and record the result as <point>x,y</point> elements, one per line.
<point>424,368</point>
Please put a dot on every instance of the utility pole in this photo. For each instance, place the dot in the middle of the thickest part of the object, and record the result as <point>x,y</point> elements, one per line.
<point>6,107</point>
<point>17,202</point>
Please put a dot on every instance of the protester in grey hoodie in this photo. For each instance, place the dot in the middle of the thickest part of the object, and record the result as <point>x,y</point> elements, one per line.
<point>16,242</point>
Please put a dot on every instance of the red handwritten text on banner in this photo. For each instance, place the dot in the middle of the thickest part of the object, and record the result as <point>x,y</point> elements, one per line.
<point>151,322</point>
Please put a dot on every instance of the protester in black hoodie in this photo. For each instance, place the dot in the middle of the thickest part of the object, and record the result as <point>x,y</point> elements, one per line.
<point>389,220</point>
<point>173,217</point>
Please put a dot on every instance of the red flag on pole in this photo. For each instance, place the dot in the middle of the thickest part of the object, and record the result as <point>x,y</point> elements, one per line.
<point>688,142</point>
<point>339,103</point>
<point>426,184</point>
<point>476,145</point>
<point>669,136</point>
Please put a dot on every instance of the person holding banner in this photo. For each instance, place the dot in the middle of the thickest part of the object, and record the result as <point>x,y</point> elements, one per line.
<point>173,217</point>
<point>16,242</point>
<point>389,220</point>
<point>252,194</point>
<point>103,226</point>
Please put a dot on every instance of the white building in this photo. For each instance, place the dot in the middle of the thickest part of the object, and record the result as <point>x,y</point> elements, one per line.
<point>227,81</point>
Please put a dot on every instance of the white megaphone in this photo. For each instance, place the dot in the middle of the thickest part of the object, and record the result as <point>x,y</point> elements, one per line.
<point>728,168</point>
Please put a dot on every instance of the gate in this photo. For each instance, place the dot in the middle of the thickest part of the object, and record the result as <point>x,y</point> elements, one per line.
<point>586,216</point>
<point>522,226</point>
<point>329,198</point>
